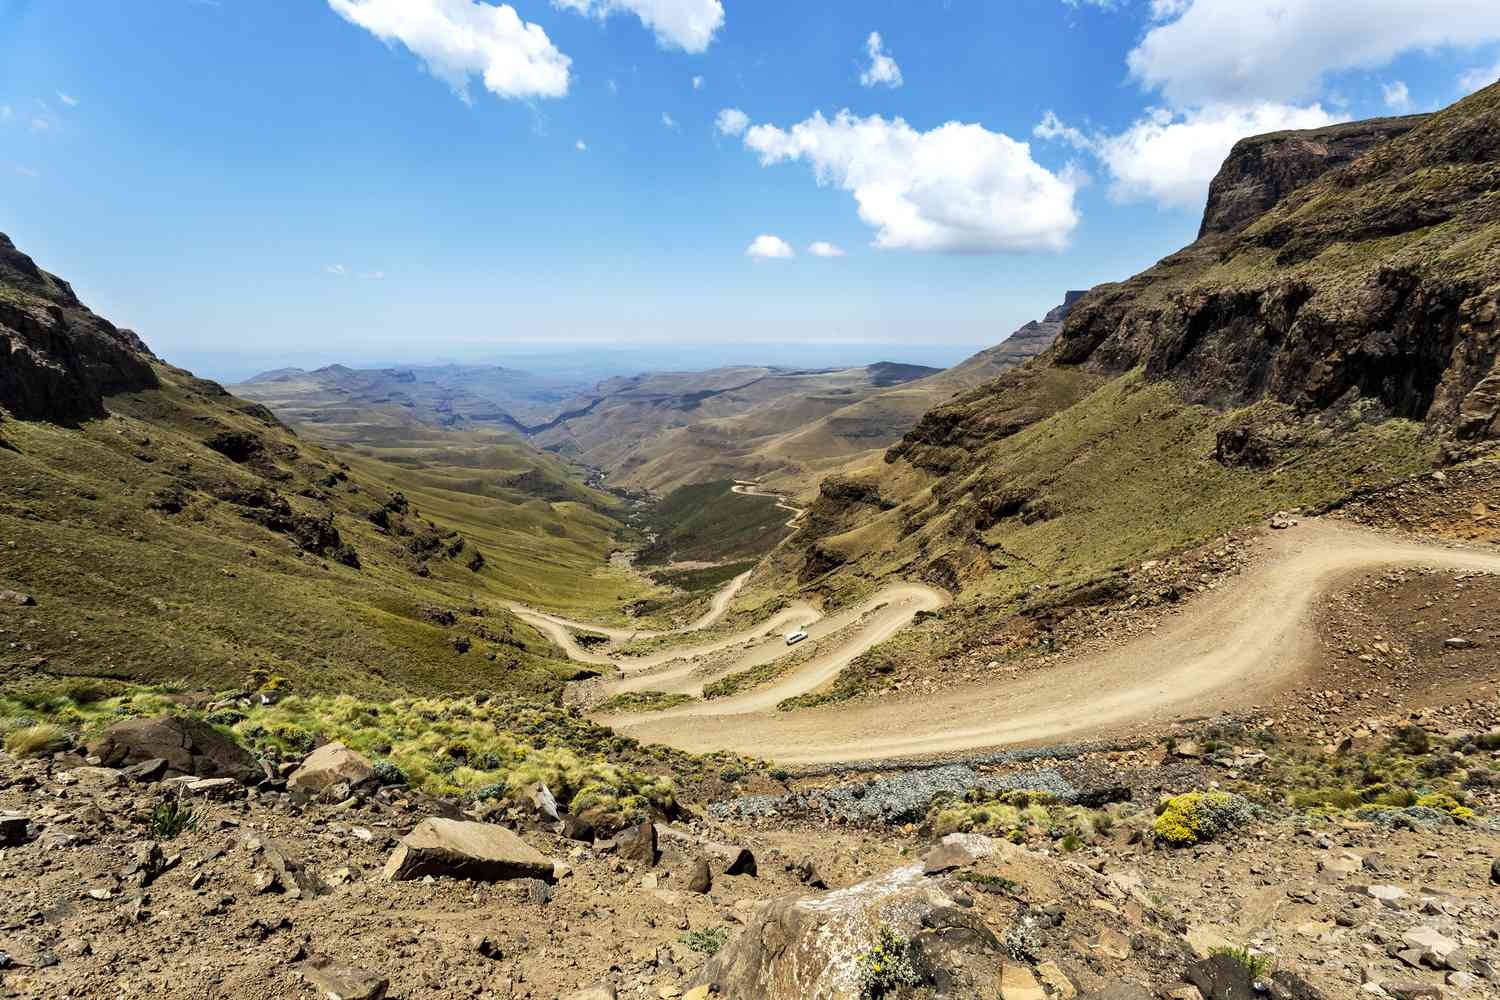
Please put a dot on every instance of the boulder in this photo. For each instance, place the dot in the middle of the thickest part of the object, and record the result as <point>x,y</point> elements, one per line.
<point>702,878</point>
<point>14,828</point>
<point>726,859</point>
<point>329,765</point>
<point>543,801</point>
<point>455,849</point>
<point>1223,977</point>
<point>957,850</point>
<point>188,746</point>
<point>636,843</point>
<point>146,771</point>
<point>344,982</point>
<point>16,597</point>
<point>1017,982</point>
<point>808,947</point>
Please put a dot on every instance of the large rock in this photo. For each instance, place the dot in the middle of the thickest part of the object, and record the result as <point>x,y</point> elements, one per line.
<point>188,746</point>
<point>635,843</point>
<point>957,850</point>
<point>725,859</point>
<point>808,947</point>
<point>336,981</point>
<point>479,851</point>
<point>330,765</point>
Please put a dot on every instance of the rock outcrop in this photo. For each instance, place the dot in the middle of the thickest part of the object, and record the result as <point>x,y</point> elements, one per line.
<point>1264,169</point>
<point>58,361</point>
<point>177,747</point>
<point>1376,283</point>
<point>332,765</point>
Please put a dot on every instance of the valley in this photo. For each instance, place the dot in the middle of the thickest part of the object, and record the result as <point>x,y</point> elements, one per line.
<point>1149,654</point>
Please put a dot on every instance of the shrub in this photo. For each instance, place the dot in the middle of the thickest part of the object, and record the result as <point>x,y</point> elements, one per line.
<point>706,942</point>
<point>888,967</point>
<point>1196,817</point>
<point>1413,739</point>
<point>35,741</point>
<point>1259,966</point>
<point>387,773</point>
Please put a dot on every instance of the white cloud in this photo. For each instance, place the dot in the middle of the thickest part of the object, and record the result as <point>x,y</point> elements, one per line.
<point>668,121</point>
<point>697,83</point>
<point>689,25</point>
<point>883,69</point>
<point>457,39</point>
<point>336,269</point>
<point>1397,96</point>
<point>67,99</point>
<point>581,146</point>
<point>1478,78</point>
<point>732,121</point>
<point>373,275</point>
<point>823,248</point>
<point>1170,157</point>
<point>956,188</point>
<point>27,171</point>
<point>1229,52</point>
<point>770,248</point>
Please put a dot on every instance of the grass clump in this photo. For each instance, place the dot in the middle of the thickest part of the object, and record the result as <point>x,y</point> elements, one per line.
<point>888,967</point>
<point>169,818</point>
<point>1259,966</point>
<point>1018,815</point>
<point>37,740</point>
<point>642,701</point>
<point>1196,817</point>
<point>706,942</point>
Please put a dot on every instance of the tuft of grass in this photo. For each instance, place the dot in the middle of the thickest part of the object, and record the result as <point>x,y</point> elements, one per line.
<point>38,740</point>
<point>1259,966</point>
<point>169,818</point>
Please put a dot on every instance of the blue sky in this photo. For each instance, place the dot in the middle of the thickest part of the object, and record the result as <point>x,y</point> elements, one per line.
<point>256,182</point>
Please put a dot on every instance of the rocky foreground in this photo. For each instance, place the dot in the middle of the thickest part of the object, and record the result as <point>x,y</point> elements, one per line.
<point>162,860</point>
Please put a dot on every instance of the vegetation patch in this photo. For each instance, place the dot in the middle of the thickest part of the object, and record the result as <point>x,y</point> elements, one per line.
<point>699,581</point>
<point>642,701</point>
<point>1196,817</point>
<point>709,522</point>
<point>1020,816</point>
<point>707,941</point>
<point>889,967</point>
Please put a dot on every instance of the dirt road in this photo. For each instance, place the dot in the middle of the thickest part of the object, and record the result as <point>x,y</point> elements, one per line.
<point>749,489</point>
<point>1227,650</point>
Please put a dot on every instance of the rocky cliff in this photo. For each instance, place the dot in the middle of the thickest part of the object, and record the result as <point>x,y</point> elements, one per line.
<point>1378,282</point>
<point>1335,329</point>
<point>57,359</point>
<point>1264,169</point>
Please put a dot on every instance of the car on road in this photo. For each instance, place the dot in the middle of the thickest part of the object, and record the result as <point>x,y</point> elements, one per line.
<point>792,638</point>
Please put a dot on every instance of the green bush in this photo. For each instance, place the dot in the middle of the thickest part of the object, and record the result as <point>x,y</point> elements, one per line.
<point>169,818</point>
<point>1196,817</point>
<point>706,942</point>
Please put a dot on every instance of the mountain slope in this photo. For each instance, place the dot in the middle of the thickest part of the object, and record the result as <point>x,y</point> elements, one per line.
<point>1343,339</point>
<point>168,531</point>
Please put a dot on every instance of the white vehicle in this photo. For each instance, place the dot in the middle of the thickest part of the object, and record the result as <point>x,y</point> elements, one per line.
<point>792,638</point>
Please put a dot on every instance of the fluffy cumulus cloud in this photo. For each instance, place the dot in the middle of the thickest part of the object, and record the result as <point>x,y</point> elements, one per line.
<point>689,25</point>
<point>1478,78</point>
<point>767,247</point>
<point>1396,95</point>
<point>1206,52</point>
<point>822,248</point>
<point>732,121</point>
<point>882,70</point>
<point>457,39</point>
<point>957,188</point>
<point>1170,157</point>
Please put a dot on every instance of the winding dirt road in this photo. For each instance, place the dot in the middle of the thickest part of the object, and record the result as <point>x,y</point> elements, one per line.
<point>1227,650</point>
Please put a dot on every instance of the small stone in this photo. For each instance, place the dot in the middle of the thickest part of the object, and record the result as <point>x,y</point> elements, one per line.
<point>1057,980</point>
<point>15,826</point>
<point>1462,980</point>
<point>1113,943</point>
<point>1413,991</point>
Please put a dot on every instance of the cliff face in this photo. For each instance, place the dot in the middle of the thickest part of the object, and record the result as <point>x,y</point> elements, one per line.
<point>1346,277</point>
<point>1379,281</point>
<point>57,359</point>
<point>1264,169</point>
